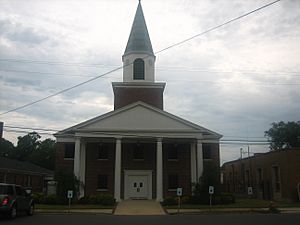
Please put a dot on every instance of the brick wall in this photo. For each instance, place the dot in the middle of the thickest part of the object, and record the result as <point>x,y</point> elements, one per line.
<point>125,96</point>
<point>36,182</point>
<point>95,167</point>
<point>181,167</point>
<point>60,162</point>
<point>236,174</point>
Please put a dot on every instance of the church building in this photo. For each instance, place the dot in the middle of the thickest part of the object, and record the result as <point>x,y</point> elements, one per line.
<point>138,150</point>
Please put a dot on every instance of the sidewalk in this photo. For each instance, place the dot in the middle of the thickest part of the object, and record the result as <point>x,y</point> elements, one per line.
<point>139,207</point>
<point>231,210</point>
<point>74,211</point>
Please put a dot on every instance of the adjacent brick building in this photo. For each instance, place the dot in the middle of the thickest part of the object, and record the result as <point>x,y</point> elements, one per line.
<point>24,173</point>
<point>137,151</point>
<point>272,175</point>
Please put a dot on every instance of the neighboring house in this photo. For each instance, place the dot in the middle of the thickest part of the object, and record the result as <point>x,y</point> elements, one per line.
<point>138,150</point>
<point>272,175</point>
<point>24,173</point>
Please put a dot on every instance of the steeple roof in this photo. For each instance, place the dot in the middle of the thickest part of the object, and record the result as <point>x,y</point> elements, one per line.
<point>139,40</point>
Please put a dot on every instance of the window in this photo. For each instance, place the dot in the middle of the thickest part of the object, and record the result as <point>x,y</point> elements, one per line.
<point>276,178</point>
<point>206,151</point>
<point>102,151</point>
<point>138,69</point>
<point>173,152</point>
<point>69,151</point>
<point>102,182</point>
<point>138,153</point>
<point>173,181</point>
<point>260,179</point>
<point>248,177</point>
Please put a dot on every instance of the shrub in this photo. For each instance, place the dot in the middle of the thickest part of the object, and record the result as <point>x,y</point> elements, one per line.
<point>101,199</point>
<point>170,201</point>
<point>227,198</point>
<point>37,197</point>
<point>50,200</point>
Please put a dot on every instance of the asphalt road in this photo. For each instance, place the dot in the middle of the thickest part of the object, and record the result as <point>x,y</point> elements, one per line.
<point>228,219</point>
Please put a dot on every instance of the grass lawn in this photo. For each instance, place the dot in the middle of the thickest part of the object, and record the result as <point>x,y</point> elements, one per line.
<point>75,206</point>
<point>240,203</point>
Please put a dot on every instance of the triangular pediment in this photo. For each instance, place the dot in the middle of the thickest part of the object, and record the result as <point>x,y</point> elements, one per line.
<point>138,117</point>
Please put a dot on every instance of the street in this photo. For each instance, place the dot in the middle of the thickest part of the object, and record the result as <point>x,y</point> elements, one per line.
<point>228,219</point>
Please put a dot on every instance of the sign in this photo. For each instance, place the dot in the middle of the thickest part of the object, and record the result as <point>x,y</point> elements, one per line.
<point>250,191</point>
<point>179,191</point>
<point>70,194</point>
<point>211,190</point>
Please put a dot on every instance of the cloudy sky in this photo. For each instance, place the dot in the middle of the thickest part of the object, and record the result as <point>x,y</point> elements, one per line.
<point>236,80</point>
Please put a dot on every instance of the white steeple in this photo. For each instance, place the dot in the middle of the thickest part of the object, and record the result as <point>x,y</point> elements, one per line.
<point>138,58</point>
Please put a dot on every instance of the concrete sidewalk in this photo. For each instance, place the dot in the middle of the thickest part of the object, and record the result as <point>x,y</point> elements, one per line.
<point>231,210</point>
<point>139,207</point>
<point>74,211</point>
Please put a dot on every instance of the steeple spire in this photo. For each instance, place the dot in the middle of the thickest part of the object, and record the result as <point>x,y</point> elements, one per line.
<point>139,40</point>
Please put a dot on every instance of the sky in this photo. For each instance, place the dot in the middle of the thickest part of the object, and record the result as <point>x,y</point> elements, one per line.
<point>236,80</point>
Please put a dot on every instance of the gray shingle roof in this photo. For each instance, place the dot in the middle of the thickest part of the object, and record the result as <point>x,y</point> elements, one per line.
<point>139,40</point>
<point>22,166</point>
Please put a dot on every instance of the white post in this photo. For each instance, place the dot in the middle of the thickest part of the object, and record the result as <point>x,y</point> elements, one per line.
<point>82,170</point>
<point>193,163</point>
<point>117,194</point>
<point>77,158</point>
<point>199,159</point>
<point>159,171</point>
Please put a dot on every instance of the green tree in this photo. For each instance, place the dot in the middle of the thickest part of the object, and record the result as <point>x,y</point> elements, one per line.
<point>26,146</point>
<point>284,135</point>
<point>44,155</point>
<point>6,148</point>
<point>210,177</point>
<point>66,180</point>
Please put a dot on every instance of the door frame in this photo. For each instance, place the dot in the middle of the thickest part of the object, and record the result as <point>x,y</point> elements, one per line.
<point>128,173</point>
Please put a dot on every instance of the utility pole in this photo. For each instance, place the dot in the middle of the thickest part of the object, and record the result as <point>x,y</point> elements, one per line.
<point>1,130</point>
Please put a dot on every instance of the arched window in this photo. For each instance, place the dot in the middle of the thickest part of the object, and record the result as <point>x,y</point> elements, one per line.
<point>138,69</point>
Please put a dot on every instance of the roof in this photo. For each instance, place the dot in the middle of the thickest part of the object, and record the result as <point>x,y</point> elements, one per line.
<point>23,166</point>
<point>141,117</point>
<point>139,40</point>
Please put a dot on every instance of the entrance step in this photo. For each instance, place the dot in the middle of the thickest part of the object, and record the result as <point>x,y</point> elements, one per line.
<point>139,207</point>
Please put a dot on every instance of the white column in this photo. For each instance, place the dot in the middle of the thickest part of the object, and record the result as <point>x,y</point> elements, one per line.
<point>82,169</point>
<point>77,157</point>
<point>159,171</point>
<point>193,163</point>
<point>199,159</point>
<point>117,194</point>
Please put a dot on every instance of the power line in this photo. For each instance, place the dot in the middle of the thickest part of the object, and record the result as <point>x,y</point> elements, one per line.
<point>158,52</point>
<point>54,63</point>
<point>30,128</point>
<point>47,73</point>
<point>185,80</point>
<point>273,74</point>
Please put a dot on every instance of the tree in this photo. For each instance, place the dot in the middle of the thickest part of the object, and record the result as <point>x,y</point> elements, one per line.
<point>284,135</point>
<point>210,177</point>
<point>26,146</point>
<point>44,155</point>
<point>6,148</point>
<point>66,180</point>
<point>30,148</point>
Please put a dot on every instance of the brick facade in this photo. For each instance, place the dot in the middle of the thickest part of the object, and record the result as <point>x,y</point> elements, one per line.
<point>124,96</point>
<point>60,162</point>
<point>180,167</point>
<point>272,175</point>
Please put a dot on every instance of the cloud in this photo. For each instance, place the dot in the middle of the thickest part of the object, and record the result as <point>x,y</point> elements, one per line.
<point>235,80</point>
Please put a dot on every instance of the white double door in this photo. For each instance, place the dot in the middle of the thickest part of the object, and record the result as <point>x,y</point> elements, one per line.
<point>138,186</point>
